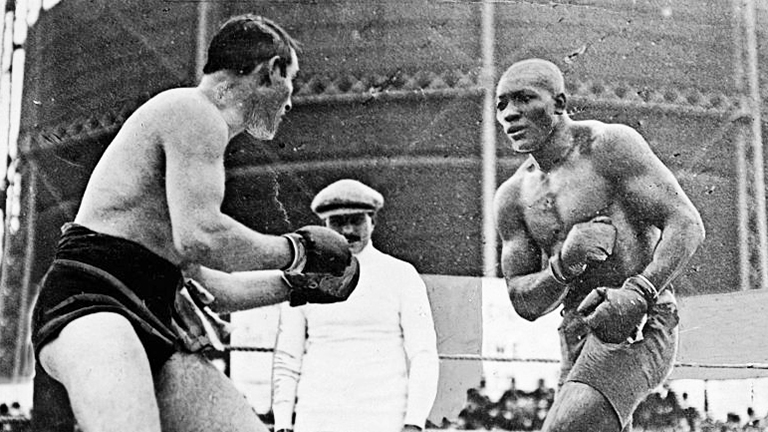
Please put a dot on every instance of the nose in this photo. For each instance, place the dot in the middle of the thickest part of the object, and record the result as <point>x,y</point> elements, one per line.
<point>511,114</point>
<point>347,229</point>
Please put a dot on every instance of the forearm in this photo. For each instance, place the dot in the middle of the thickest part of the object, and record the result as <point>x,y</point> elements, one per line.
<point>285,379</point>
<point>287,363</point>
<point>536,294</point>
<point>230,246</point>
<point>243,290</point>
<point>677,245</point>
<point>420,342</point>
<point>422,386</point>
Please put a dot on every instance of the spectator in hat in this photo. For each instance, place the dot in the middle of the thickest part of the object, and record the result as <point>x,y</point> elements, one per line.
<point>370,363</point>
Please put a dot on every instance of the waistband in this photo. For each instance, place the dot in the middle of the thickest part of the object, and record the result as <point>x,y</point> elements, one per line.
<point>149,275</point>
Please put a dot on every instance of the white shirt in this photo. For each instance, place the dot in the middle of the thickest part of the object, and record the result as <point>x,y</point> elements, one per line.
<point>369,363</point>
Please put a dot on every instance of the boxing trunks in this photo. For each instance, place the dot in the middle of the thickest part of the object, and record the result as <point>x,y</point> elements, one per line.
<point>625,373</point>
<point>93,272</point>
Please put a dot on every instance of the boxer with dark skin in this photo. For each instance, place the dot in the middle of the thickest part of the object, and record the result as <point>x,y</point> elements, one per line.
<point>595,222</point>
<point>152,210</point>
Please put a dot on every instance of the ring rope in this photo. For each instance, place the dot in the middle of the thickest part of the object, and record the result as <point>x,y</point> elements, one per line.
<point>478,357</point>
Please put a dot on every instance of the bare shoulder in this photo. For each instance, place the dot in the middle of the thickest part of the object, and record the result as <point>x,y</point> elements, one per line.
<point>616,149</point>
<point>183,113</point>
<point>509,190</point>
<point>614,138</point>
<point>179,100</point>
<point>507,198</point>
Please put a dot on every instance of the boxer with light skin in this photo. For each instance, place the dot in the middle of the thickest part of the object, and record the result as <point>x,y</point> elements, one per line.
<point>594,222</point>
<point>103,324</point>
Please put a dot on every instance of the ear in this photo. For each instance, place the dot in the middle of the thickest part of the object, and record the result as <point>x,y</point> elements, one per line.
<point>560,103</point>
<point>262,71</point>
<point>268,71</point>
<point>276,68</point>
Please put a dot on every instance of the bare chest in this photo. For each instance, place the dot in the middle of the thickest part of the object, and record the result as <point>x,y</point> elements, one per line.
<point>555,201</point>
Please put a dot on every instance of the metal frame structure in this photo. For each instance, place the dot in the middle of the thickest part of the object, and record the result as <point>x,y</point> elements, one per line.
<point>18,220</point>
<point>753,232</point>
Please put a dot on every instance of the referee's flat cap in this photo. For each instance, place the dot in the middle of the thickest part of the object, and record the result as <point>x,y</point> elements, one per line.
<point>346,196</point>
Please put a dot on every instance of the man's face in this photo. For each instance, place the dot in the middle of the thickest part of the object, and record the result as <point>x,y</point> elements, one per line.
<point>271,101</point>
<point>356,228</point>
<point>525,112</point>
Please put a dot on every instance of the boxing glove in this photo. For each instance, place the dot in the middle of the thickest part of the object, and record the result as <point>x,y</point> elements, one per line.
<point>322,287</point>
<point>614,315</point>
<point>318,249</point>
<point>587,242</point>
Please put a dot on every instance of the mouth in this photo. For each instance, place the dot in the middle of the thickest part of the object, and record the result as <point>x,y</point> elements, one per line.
<point>516,132</point>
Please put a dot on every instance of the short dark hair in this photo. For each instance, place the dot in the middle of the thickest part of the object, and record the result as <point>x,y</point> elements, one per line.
<point>541,73</point>
<point>244,41</point>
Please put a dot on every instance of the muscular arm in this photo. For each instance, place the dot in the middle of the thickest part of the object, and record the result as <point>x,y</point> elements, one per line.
<point>241,290</point>
<point>194,141</point>
<point>532,290</point>
<point>651,192</point>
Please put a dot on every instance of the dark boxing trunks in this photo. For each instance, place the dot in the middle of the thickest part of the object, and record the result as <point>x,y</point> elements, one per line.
<point>624,373</point>
<point>94,272</point>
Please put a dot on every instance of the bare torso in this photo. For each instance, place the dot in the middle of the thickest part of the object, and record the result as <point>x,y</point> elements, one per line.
<point>126,195</point>
<point>549,204</point>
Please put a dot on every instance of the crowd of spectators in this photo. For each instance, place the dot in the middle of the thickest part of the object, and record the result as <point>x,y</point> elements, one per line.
<point>12,418</point>
<point>662,411</point>
<point>516,410</point>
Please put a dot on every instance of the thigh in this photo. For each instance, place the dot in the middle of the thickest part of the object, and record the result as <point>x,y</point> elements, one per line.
<point>51,410</point>
<point>580,408</point>
<point>194,396</point>
<point>101,362</point>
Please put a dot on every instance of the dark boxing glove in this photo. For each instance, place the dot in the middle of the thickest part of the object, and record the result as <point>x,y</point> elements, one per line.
<point>318,249</point>
<point>614,315</point>
<point>322,287</point>
<point>587,242</point>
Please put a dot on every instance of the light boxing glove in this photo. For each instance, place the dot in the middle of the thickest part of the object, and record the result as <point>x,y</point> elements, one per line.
<point>322,287</point>
<point>587,242</point>
<point>318,249</point>
<point>614,315</point>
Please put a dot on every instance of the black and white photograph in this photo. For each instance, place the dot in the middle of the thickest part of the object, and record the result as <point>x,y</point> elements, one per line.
<point>383,215</point>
